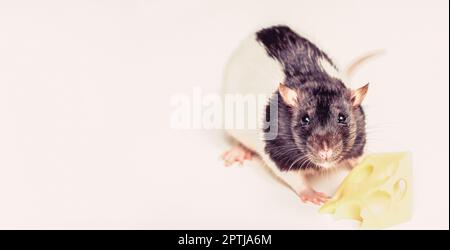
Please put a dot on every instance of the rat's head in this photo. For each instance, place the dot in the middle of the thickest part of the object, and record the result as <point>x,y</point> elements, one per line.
<point>326,120</point>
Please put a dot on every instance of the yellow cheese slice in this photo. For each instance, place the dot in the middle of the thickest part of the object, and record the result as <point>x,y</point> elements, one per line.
<point>377,192</point>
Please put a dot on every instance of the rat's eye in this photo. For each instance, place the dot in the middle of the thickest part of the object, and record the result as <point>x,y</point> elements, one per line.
<point>342,119</point>
<point>305,120</point>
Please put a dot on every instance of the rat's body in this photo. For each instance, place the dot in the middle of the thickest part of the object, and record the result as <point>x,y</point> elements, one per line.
<point>318,124</point>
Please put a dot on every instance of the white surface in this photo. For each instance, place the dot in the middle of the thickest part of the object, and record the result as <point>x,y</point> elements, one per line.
<point>84,109</point>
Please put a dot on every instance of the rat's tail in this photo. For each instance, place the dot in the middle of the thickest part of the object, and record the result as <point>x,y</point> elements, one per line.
<point>350,69</point>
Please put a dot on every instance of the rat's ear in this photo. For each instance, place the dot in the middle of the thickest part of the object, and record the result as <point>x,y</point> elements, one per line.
<point>358,95</point>
<point>289,95</point>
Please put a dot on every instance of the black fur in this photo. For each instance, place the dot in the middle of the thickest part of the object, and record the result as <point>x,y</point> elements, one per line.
<point>322,97</point>
<point>298,55</point>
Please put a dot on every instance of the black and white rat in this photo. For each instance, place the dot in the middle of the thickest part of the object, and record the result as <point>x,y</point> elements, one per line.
<point>319,123</point>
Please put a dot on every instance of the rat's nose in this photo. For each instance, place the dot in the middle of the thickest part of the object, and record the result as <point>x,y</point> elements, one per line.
<point>325,154</point>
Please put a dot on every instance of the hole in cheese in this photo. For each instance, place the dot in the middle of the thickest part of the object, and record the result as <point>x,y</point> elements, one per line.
<point>400,189</point>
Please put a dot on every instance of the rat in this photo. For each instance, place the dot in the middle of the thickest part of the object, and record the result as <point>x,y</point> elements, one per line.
<point>319,123</point>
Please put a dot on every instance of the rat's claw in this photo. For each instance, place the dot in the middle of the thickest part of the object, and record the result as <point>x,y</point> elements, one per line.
<point>312,196</point>
<point>323,195</point>
<point>317,201</point>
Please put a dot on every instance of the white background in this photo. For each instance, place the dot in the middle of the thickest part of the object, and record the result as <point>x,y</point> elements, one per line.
<point>85,140</point>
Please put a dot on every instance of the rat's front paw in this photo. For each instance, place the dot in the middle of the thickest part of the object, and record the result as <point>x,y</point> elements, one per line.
<point>310,195</point>
<point>238,153</point>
